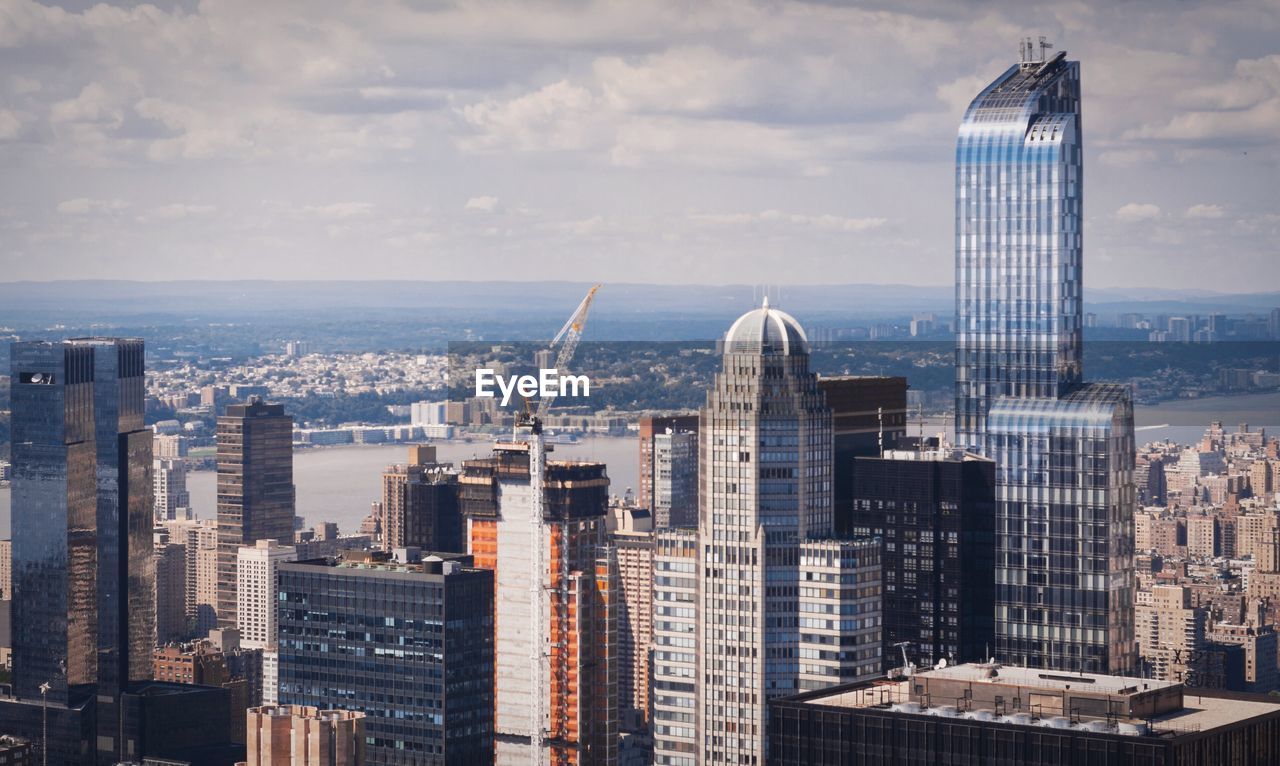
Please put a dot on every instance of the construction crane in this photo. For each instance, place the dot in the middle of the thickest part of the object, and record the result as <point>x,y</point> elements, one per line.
<point>570,334</point>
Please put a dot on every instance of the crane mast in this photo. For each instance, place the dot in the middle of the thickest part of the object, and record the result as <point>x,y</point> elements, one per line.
<point>539,582</point>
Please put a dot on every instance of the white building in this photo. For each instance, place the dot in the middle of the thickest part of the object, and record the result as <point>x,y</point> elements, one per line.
<point>427,413</point>
<point>256,591</point>
<point>169,480</point>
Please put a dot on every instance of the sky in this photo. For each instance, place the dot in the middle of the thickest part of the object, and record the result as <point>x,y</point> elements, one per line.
<point>659,141</point>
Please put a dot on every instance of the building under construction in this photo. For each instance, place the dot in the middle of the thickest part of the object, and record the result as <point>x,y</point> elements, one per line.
<point>556,663</point>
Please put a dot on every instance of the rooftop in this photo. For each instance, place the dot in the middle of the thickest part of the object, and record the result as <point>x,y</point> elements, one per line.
<point>1099,703</point>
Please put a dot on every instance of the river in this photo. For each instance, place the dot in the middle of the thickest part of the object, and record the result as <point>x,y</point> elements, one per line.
<point>339,483</point>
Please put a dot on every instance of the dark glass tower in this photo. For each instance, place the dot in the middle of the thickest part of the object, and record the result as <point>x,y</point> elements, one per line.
<point>255,488</point>
<point>83,575</point>
<point>1063,448</point>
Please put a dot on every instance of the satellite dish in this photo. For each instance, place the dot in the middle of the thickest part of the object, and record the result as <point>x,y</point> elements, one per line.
<point>942,663</point>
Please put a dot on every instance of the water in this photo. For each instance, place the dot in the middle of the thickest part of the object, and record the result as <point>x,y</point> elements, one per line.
<point>338,484</point>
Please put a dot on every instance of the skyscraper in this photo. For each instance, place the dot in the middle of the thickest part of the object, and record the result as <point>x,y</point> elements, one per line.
<point>255,488</point>
<point>765,474</point>
<point>83,573</point>
<point>172,501</point>
<point>571,688</point>
<point>1063,449</point>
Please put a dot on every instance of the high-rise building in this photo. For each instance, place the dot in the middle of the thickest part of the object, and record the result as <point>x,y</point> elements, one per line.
<point>172,501</point>
<point>571,688</point>
<point>773,595</point>
<point>1171,632</point>
<point>669,469</point>
<point>933,513</point>
<point>1064,450</point>
<point>428,413</point>
<point>631,535</point>
<point>255,488</point>
<point>83,572</point>
<point>169,446</point>
<point>420,504</point>
<point>297,735</point>
<point>171,588</point>
<point>422,671</point>
<point>200,538</point>
<point>256,569</point>
<point>675,647</point>
<point>868,416</point>
<point>975,715</point>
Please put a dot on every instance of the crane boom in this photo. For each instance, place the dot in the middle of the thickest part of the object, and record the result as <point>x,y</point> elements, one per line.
<point>571,333</point>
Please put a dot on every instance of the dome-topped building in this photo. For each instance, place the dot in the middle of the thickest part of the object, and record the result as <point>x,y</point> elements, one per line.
<point>766,331</point>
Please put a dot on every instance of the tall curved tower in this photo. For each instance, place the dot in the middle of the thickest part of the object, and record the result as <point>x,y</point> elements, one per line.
<point>1018,241</point>
<point>1063,448</point>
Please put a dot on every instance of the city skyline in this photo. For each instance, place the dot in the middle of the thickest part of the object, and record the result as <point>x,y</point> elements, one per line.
<point>553,140</point>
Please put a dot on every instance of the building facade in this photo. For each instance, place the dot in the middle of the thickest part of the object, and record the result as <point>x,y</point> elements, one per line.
<point>765,479</point>
<point>572,689</point>
<point>255,488</point>
<point>409,643</point>
<point>933,514</point>
<point>256,570</point>
<point>297,735</point>
<point>1063,449</point>
<point>669,469</point>
<point>83,572</point>
<point>674,701</point>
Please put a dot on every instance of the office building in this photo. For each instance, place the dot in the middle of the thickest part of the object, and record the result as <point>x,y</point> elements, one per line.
<point>83,572</point>
<point>933,514</point>
<point>421,669</point>
<point>868,416</point>
<point>420,504</point>
<point>669,469</point>
<point>573,687</point>
<point>765,477</point>
<point>1064,450</point>
<point>15,751</point>
<point>172,501</point>
<point>976,715</point>
<point>255,488</point>
<point>297,735</point>
<point>256,569</point>
<point>1261,675</point>
<point>216,661</point>
<point>674,701</point>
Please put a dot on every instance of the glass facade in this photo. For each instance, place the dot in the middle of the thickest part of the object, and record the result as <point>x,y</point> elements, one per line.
<point>410,645</point>
<point>83,573</point>
<point>255,489</point>
<point>1064,522</point>
<point>1063,449</point>
<point>1018,242</point>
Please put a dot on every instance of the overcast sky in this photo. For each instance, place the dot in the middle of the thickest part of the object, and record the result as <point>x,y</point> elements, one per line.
<point>637,140</point>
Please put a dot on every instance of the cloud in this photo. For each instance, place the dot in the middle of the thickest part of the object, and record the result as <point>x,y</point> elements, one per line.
<point>1205,211</point>
<point>560,116</point>
<point>10,125</point>
<point>177,212</point>
<point>483,203</point>
<point>769,217</point>
<point>1137,211</point>
<point>88,206</point>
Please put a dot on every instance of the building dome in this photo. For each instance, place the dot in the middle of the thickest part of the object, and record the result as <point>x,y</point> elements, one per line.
<point>766,331</point>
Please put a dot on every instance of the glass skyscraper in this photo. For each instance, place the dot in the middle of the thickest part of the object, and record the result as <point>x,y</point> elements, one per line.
<point>83,574</point>
<point>1063,449</point>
